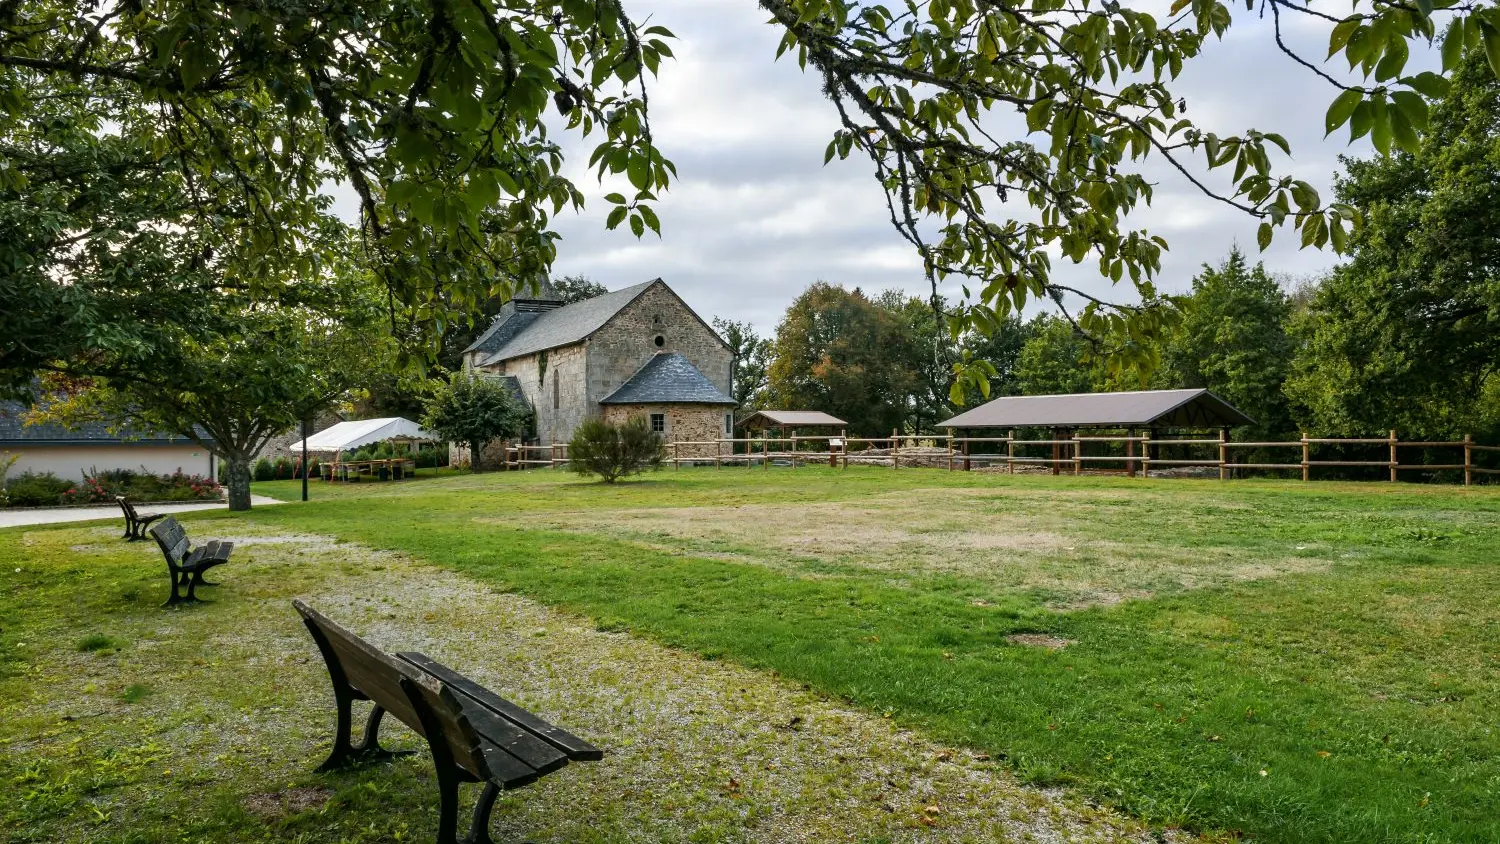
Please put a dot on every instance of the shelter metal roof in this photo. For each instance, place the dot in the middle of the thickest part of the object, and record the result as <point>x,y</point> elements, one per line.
<point>792,419</point>
<point>347,435</point>
<point>1197,408</point>
<point>15,432</point>
<point>668,378</point>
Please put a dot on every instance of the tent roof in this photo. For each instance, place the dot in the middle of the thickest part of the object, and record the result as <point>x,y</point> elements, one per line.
<point>347,435</point>
<point>791,419</point>
<point>1146,408</point>
<point>668,378</point>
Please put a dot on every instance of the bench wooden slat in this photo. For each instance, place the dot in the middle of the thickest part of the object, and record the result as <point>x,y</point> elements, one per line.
<point>505,735</point>
<point>576,748</point>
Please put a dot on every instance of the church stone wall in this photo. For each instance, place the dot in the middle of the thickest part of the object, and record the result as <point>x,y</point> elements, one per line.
<point>625,343</point>
<point>696,423</point>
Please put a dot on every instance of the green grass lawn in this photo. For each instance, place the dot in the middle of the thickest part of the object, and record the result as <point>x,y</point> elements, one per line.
<point>1284,661</point>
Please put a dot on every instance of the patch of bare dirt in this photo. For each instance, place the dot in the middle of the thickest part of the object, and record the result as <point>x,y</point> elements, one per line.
<point>1040,640</point>
<point>289,801</point>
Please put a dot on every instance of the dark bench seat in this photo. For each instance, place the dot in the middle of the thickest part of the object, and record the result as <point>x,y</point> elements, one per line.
<point>185,563</point>
<point>135,521</point>
<point>474,735</point>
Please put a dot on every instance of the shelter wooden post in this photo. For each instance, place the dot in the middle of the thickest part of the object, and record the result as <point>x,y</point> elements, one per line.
<point>967,464</point>
<point>895,449</point>
<point>1394,462</point>
<point>1146,446</point>
<point>1077,455</point>
<point>1130,452</point>
<point>719,453</point>
<point>950,453</point>
<point>1306,458</point>
<point>794,448</point>
<point>1055,452</point>
<point>1468,459</point>
<point>844,438</point>
<point>765,448</point>
<point>1223,454</point>
<point>1010,452</point>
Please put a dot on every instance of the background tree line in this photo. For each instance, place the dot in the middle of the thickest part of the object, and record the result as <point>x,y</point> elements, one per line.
<point>1404,335</point>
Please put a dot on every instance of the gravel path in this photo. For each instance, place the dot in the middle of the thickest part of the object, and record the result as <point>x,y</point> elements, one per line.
<point>53,515</point>
<point>696,750</point>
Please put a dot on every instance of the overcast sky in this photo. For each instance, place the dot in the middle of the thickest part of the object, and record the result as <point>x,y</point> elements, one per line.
<point>756,217</point>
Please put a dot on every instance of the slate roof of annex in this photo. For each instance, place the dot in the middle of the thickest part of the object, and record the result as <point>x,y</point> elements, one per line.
<point>1197,408</point>
<point>668,378</point>
<point>14,431</point>
<point>562,326</point>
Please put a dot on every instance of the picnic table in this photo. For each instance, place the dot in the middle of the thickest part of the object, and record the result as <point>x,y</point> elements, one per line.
<point>395,468</point>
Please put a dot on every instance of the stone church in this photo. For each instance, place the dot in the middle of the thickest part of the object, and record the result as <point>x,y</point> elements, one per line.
<point>640,351</point>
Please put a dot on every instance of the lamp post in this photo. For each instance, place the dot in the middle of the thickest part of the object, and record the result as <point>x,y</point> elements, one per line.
<point>306,432</point>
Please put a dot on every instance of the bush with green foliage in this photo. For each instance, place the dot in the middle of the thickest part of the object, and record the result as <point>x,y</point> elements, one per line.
<point>36,489</point>
<point>283,466</point>
<point>264,470</point>
<point>615,451</point>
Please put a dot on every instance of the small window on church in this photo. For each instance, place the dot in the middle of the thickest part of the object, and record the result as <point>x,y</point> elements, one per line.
<point>659,423</point>
<point>729,424</point>
<point>660,341</point>
<point>556,394</point>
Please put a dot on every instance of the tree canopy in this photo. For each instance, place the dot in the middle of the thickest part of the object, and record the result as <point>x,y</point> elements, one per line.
<point>1407,333</point>
<point>476,410</point>
<point>239,113</point>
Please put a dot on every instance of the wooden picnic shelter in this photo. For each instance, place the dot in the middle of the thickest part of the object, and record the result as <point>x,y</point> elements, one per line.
<point>1151,411</point>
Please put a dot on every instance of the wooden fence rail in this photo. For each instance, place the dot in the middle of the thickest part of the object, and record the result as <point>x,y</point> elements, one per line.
<point>1141,453</point>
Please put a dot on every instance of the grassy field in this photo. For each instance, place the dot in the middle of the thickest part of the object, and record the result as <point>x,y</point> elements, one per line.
<point>1283,661</point>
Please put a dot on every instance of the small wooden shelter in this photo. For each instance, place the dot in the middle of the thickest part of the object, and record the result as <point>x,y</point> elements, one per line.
<point>762,420</point>
<point>1064,415</point>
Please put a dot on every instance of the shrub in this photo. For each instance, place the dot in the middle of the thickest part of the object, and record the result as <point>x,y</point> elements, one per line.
<point>615,451</point>
<point>284,469</point>
<point>30,489</point>
<point>313,469</point>
<point>263,471</point>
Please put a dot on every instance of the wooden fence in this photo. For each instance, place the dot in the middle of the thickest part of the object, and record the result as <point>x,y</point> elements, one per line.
<point>1068,455</point>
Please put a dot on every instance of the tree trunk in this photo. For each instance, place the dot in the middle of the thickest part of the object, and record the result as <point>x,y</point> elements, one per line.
<point>475,449</point>
<point>238,477</point>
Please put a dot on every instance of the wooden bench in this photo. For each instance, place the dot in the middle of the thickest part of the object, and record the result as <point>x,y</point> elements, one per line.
<point>135,522</point>
<point>473,734</point>
<point>185,563</point>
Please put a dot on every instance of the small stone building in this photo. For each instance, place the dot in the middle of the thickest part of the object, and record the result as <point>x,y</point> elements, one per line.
<point>636,351</point>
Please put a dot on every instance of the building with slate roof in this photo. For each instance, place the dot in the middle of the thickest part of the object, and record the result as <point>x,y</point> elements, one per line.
<point>639,351</point>
<point>73,452</point>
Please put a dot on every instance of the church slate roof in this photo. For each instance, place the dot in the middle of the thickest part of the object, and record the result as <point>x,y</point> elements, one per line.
<point>504,329</point>
<point>13,432</point>
<point>566,325</point>
<point>668,378</point>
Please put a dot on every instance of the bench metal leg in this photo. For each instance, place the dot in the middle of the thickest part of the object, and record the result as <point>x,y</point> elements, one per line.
<point>179,580</point>
<point>479,827</point>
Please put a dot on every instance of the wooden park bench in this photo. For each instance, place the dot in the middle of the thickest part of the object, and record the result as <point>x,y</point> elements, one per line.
<point>473,734</point>
<point>136,522</point>
<point>185,563</point>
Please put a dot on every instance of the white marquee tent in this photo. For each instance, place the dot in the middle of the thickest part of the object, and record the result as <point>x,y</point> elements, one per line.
<point>349,435</point>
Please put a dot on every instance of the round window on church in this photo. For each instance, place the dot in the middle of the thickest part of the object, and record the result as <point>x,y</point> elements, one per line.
<point>660,341</point>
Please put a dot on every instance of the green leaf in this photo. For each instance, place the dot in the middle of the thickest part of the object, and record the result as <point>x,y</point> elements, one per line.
<point>1393,62</point>
<point>616,217</point>
<point>1263,236</point>
<point>1342,108</point>
<point>1360,121</point>
<point>1429,84</point>
<point>616,198</point>
<point>1491,37</point>
<point>1453,45</point>
<point>1340,35</point>
<point>638,169</point>
<point>1413,108</point>
<point>650,217</point>
<point>1403,132</point>
<point>1380,126</point>
<point>636,226</point>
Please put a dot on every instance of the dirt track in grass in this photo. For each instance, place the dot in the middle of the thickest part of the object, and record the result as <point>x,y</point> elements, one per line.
<point>231,699</point>
<point>1059,556</point>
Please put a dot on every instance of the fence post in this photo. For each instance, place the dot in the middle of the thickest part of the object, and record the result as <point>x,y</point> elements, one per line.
<point>1223,454</point>
<point>675,464</point>
<point>1306,458</point>
<point>1077,455</point>
<point>765,449</point>
<point>1010,452</point>
<point>1468,458</point>
<point>967,465</point>
<point>844,436</point>
<point>895,449</point>
<point>1146,455</point>
<point>1394,461</point>
<point>950,452</point>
